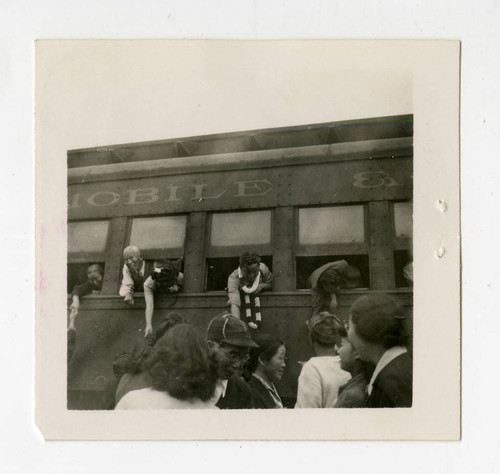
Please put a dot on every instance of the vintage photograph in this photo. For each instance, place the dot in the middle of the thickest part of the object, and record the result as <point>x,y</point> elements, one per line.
<point>287,252</point>
<point>234,233</point>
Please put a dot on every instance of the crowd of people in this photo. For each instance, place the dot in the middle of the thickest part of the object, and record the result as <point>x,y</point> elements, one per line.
<point>364,362</point>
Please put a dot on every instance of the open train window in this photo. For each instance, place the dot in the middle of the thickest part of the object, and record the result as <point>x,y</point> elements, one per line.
<point>159,238</point>
<point>326,234</point>
<point>231,234</point>
<point>403,237</point>
<point>87,242</point>
<point>77,274</point>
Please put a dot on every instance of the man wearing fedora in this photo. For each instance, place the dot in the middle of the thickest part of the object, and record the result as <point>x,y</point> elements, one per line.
<point>229,340</point>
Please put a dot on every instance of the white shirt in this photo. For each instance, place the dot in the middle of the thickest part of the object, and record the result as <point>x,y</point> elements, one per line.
<point>319,382</point>
<point>127,286</point>
<point>220,390</point>
<point>388,356</point>
<point>148,398</point>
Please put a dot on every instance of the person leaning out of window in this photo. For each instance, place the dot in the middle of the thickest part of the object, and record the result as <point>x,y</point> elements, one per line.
<point>244,285</point>
<point>325,282</point>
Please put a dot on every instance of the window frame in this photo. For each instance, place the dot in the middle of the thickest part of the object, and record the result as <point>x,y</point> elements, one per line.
<point>90,257</point>
<point>319,250</point>
<point>210,251</point>
<point>156,254</point>
<point>400,243</point>
<point>237,250</point>
<point>339,249</point>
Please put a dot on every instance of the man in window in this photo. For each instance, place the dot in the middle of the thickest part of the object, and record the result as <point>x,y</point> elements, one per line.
<point>93,285</point>
<point>327,280</point>
<point>133,274</point>
<point>244,285</point>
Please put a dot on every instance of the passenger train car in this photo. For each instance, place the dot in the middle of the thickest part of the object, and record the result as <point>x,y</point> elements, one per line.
<point>298,196</point>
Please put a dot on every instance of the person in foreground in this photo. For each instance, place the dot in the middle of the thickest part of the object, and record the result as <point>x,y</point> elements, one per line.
<point>229,341</point>
<point>267,363</point>
<point>353,393</point>
<point>130,368</point>
<point>182,374</point>
<point>377,330</point>
<point>322,376</point>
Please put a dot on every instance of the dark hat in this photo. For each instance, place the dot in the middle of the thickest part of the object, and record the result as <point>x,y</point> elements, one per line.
<point>325,327</point>
<point>231,330</point>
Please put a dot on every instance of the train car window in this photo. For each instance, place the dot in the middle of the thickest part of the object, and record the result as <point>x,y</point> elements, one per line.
<point>77,274</point>
<point>403,233</point>
<point>87,242</point>
<point>306,265</point>
<point>231,234</point>
<point>87,237</point>
<point>219,269</point>
<point>158,233</point>
<point>331,225</point>
<point>403,271</point>
<point>403,219</point>
<point>327,234</point>
<point>240,228</point>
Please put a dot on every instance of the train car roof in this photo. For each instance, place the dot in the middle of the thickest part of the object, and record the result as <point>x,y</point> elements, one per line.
<point>369,129</point>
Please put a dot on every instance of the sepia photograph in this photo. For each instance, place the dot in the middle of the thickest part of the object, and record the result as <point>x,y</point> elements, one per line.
<point>263,240</point>
<point>235,231</point>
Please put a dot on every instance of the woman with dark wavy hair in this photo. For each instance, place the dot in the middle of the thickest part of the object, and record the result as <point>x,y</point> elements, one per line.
<point>130,368</point>
<point>378,332</point>
<point>182,374</point>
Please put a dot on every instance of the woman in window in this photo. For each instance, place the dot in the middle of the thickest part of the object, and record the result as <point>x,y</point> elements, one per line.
<point>267,363</point>
<point>165,279</point>
<point>244,286</point>
<point>182,374</point>
<point>377,330</point>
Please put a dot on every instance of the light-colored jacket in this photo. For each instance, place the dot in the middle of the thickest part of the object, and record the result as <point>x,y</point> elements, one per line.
<point>233,284</point>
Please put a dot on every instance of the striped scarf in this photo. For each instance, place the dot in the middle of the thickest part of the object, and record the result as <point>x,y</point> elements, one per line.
<point>251,304</point>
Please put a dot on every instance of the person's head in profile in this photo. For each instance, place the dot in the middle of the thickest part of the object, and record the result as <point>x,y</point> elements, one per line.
<point>376,323</point>
<point>378,331</point>
<point>267,365</point>
<point>229,341</point>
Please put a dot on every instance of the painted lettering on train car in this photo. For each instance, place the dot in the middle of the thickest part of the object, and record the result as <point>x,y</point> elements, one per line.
<point>171,193</point>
